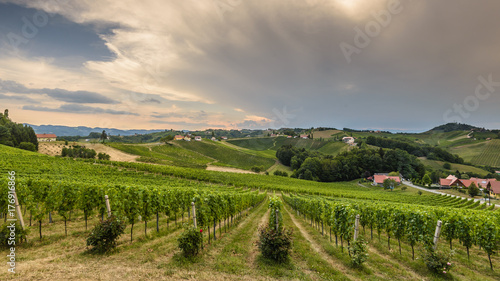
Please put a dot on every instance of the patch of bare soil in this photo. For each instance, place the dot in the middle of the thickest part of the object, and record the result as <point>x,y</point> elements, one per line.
<point>228,169</point>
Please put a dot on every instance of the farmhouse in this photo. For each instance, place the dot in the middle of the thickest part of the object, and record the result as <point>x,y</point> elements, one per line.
<point>46,137</point>
<point>223,138</point>
<point>494,188</point>
<point>348,139</point>
<point>197,138</point>
<point>214,139</point>
<point>452,181</point>
<point>178,137</point>
<point>187,138</point>
<point>304,136</point>
<point>378,179</point>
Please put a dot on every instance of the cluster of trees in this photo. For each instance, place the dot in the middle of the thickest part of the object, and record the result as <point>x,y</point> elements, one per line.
<point>349,165</point>
<point>419,150</point>
<point>78,152</point>
<point>17,135</point>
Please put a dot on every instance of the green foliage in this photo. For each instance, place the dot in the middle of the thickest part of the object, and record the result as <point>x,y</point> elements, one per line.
<point>167,138</point>
<point>437,262</point>
<point>426,180</point>
<point>447,166</point>
<point>280,173</point>
<point>359,252</point>
<point>27,146</point>
<point>11,234</point>
<point>13,134</point>
<point>275,206</point>
<point>105,234</point>
<point>190,241</point>
<point>473,190</point>
<point>78,152</point>
<point>257,169</point>
<point>103,156</point>
<point>389,184</point>
<point>275,245</point>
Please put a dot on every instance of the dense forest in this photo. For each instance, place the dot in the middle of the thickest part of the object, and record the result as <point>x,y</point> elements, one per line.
<point>349,165</point>
<point>16,135</point>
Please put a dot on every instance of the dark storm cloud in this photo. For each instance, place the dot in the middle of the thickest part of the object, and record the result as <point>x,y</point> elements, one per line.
<point>7,86</point>
<point>424,61</point>
<point>77,108</point>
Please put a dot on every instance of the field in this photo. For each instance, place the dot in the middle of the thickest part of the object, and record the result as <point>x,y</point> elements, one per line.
<point>490,155</point>
<point>438,165</point>
<point>225,155</point>
<point>325,134</point>
<point>234,255</point>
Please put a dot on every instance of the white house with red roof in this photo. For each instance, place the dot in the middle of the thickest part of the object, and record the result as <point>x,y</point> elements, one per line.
<point>46,137</point>
<point>178,137</point>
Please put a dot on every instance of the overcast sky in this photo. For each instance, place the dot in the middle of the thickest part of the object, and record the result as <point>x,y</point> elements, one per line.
<point>191,64</point>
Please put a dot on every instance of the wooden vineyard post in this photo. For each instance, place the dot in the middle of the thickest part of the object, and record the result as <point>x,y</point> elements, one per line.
<point>356,228</point>
<point>194,214</point>
<point>277,220</point>
<point>107,205</point>
<point>436,234</point>
<point>18,211</point>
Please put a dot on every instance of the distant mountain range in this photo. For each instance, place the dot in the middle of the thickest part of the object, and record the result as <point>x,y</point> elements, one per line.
<point>85,131</point>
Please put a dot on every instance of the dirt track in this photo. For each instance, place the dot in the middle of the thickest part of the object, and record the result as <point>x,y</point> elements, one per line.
<point>116,155</point>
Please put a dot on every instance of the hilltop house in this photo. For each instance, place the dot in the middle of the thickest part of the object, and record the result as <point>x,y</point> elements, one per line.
<point>378,179</point>
<point>304,136</point>
<point>187,138</point>
<point>197,138</point>
<point>214,138</point>
<point>223,138</point>
<point>349,140</point>
<point>46,137</point>
<point>178,137</point>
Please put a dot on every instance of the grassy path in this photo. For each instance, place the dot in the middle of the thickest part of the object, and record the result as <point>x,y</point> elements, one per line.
<point>319,250</point>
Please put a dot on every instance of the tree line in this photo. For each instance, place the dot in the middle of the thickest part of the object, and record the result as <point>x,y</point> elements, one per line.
<point>17,135</point>
<point>349,165</point>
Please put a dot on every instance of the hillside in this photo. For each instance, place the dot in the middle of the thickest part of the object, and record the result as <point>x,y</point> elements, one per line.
<point>151,249</point>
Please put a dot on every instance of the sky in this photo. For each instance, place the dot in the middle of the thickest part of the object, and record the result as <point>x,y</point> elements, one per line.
<point>234,64</point>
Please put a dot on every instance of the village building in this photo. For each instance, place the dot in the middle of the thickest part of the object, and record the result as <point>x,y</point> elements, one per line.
<point>197,138</point>
<point>378,179</point>
<point>46,137</point>
<point>178,137</point>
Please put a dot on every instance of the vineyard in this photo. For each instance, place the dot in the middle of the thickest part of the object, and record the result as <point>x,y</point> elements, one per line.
<point>62,199</point>
<point>490,155</point>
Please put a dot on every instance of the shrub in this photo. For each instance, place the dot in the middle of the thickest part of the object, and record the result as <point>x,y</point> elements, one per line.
<point>5,234</point>
<point>358,252</point>
<point>103,156</point>
<point>404,187</point>
<point>274,244</point>
<point>105,234</point>
<point>437,262</point>
<point>280,173</point>
<point>257,169</point>
<point>419,192</point>
<point>190,241</point>
<point>27,146</point>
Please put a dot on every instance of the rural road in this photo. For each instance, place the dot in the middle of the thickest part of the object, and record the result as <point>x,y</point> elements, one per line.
<point>437,192</point>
